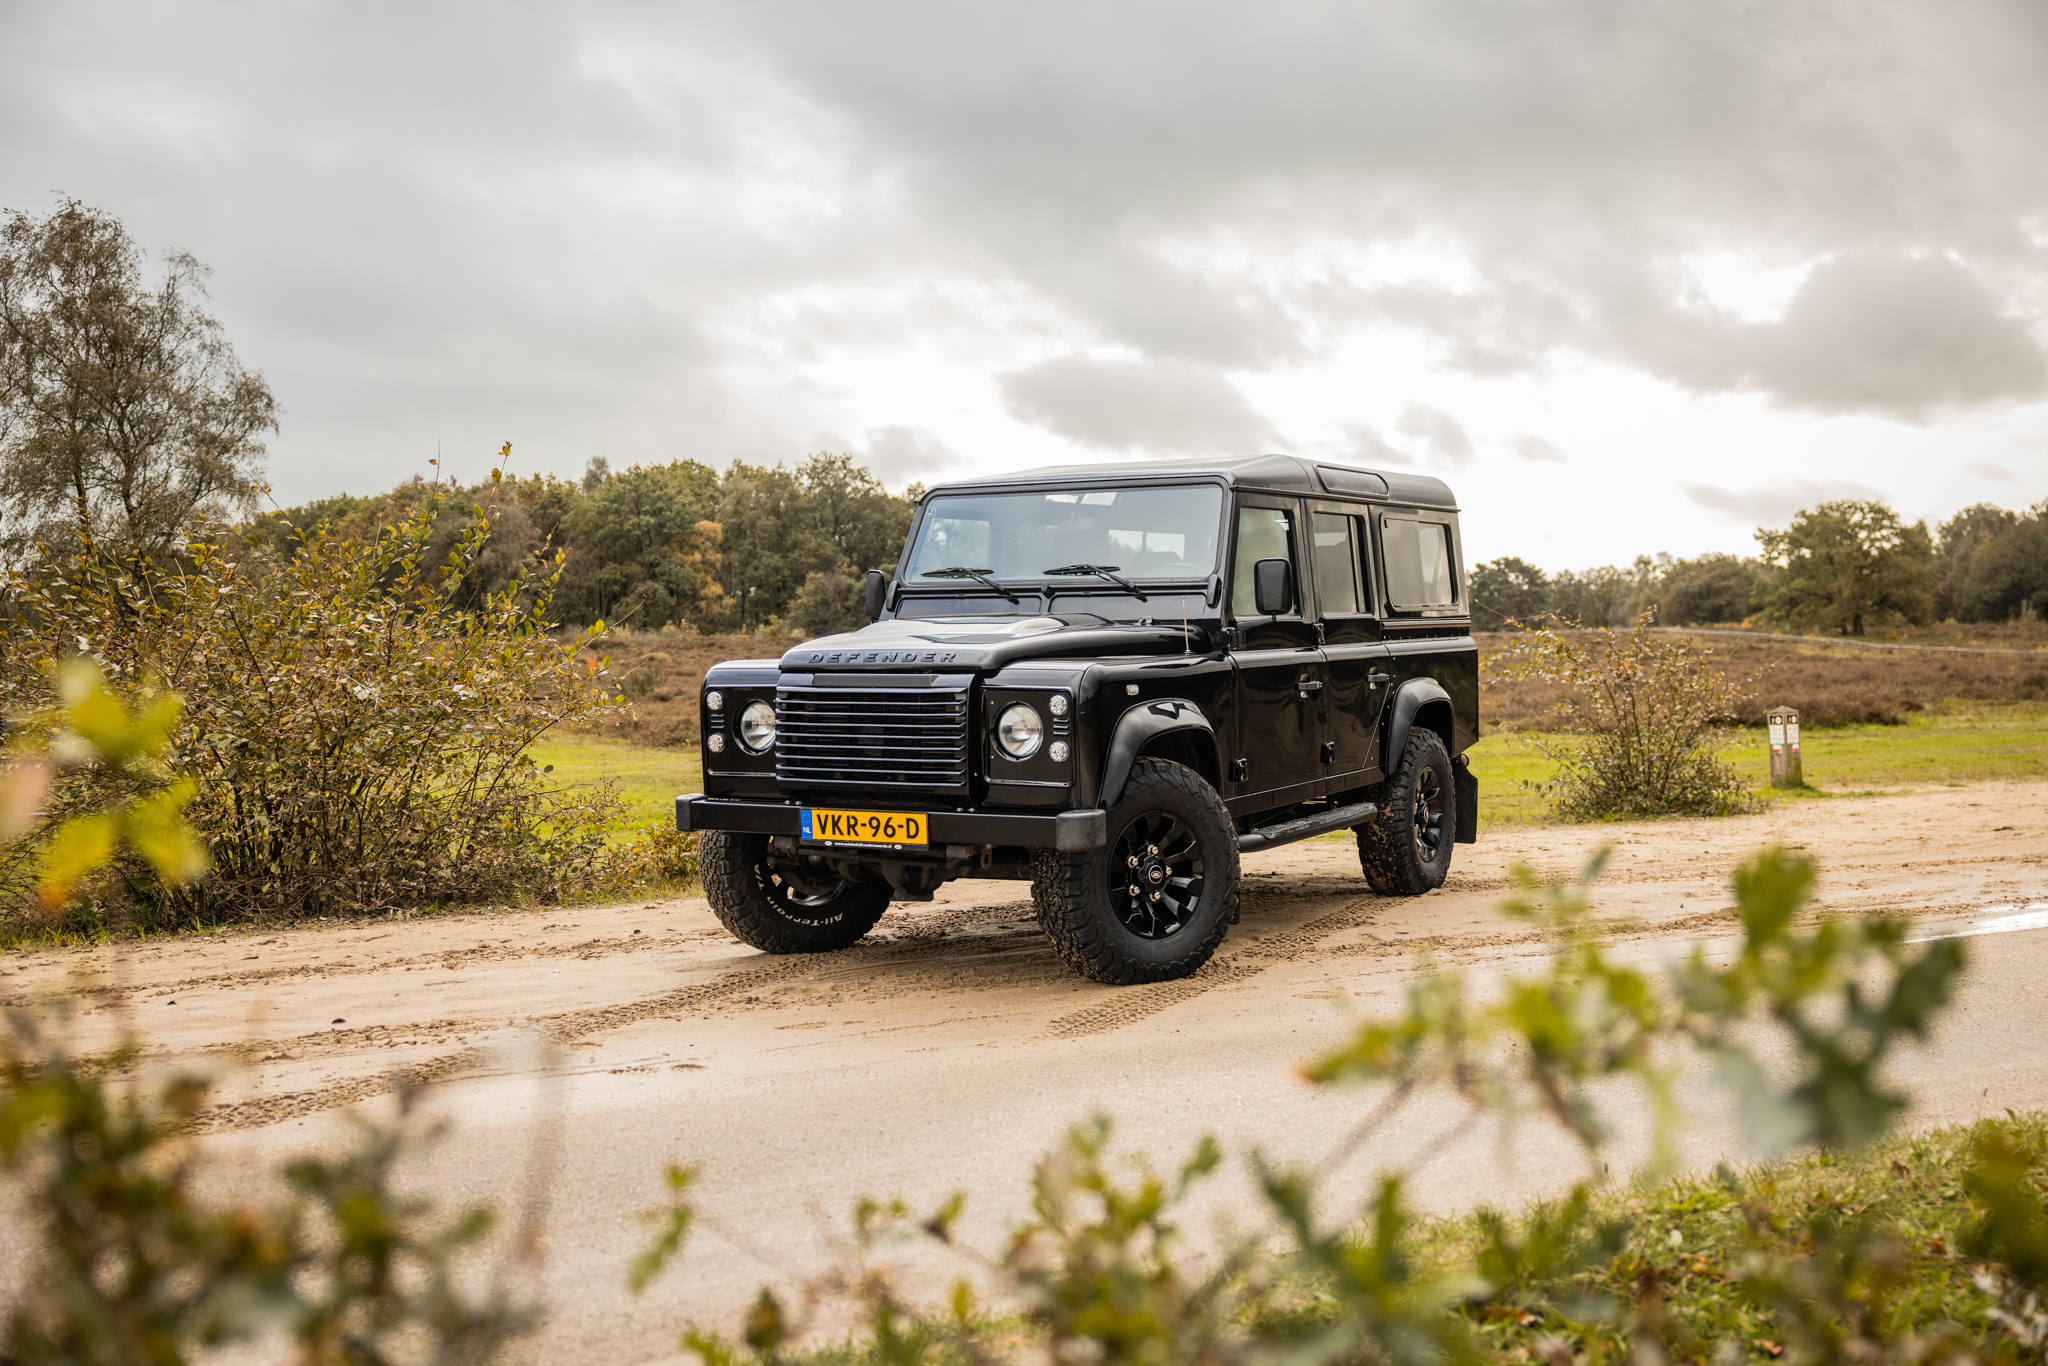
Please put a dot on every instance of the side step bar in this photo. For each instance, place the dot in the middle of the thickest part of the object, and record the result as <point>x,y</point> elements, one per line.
<point>1336,818</point>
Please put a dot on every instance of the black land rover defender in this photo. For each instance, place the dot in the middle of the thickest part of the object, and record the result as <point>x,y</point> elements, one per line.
<point>1107,682</point>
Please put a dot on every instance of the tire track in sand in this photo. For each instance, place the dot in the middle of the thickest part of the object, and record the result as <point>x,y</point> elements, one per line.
<point>560,1028</point>
<point>1132,1004</point>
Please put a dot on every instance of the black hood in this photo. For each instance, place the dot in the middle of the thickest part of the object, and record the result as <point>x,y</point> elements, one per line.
<point>985,643</point>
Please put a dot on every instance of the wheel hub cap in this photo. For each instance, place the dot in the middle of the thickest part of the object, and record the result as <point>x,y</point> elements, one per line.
<point>1156,875</point>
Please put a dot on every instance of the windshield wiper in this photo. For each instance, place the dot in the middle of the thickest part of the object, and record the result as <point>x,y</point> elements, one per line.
<point>980,576</point>
<point>1104,571</point>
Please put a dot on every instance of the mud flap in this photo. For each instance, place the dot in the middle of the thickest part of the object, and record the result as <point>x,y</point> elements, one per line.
<point>1465,784</point>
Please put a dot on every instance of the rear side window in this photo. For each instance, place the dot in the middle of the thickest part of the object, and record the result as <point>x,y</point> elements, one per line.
<point>1336,564</point>
<point>1262,534</point>
<point>1418,563</point>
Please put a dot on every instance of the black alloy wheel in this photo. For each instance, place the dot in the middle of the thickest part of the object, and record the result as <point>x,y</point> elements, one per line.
<point>1153,903</point>
<point>800,898</point>
<point>779,907</point>
<point>1428,814</point>
<point>1405,849</point>
<point>1155,876</point>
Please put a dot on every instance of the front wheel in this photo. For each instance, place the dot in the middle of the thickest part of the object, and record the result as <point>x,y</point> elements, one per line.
<point>1154,904</point>
<point>1405,849</point>
<point>782,910</point>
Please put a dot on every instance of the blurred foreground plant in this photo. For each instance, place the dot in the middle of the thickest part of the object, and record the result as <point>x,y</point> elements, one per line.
<point>91,728</point>
<point>134,1268</point>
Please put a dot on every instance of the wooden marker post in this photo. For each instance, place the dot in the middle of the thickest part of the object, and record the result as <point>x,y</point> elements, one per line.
<point>1785,770</point>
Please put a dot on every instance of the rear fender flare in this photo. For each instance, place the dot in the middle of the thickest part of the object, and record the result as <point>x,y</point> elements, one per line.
<point>1140,726</point>
<point>1409,700</point>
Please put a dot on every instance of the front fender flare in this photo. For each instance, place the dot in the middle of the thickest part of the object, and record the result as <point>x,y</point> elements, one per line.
<point>1409,699</point>
<point>1138,727</point>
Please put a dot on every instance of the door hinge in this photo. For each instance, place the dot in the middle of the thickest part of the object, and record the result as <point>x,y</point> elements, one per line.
<point>1320,639</point>
<point>1240,769</point>
<point>1329,751</point>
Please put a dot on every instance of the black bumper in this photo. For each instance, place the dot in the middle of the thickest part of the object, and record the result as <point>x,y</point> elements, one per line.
<point>1068,831</point>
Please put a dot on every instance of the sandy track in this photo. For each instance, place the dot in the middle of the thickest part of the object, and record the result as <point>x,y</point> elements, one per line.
<point>578,1050</point>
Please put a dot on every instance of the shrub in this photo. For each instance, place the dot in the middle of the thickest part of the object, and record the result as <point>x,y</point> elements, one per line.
<point>1650,716</point>
<point>357,739</point>
<point>135,1266</point>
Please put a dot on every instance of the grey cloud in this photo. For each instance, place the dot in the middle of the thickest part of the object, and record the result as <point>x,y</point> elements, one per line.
<point>1442,436</point>
<point>1532,447</point>
<point>1157,407</point>
<point>1773,504</point>
<point>1986,469</point>
<point>899,454</point>
<point>1363,444</point>
<point>2031,443</point>
<point>625,228</point>
<point>1574,154</point>
<point>1900,336</point>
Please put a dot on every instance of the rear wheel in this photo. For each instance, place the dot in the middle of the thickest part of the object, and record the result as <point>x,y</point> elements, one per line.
<point>1405,849</point>
<point>783,909</point>
<point>1154,904</point>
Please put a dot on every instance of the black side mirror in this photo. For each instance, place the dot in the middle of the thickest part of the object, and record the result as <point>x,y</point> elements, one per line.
<point>1273,587</point>
<point>878,585</point>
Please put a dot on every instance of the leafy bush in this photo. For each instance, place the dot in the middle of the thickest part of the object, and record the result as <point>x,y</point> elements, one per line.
<point>1649,715</point>
<point>356,722</point>
<point>136,1269</point>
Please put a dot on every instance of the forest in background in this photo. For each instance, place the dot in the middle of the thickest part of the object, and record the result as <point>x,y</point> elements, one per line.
<point>1838,566</point>
<point>677,545</point>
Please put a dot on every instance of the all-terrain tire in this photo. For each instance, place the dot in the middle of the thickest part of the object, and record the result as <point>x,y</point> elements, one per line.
<point>762,908</point>
<point>1405,849</point>
<point>1104,932</point>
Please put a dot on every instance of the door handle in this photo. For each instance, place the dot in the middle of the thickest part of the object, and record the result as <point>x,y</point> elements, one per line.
<point>1308,685</point>
<point>1375,678</point>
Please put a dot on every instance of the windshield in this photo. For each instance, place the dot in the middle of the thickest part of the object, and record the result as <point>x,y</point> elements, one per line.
<point>1148,533</point>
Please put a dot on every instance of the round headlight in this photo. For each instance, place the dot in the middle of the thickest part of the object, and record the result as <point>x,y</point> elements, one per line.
<point>1019,730</point>
<point>757,727</point>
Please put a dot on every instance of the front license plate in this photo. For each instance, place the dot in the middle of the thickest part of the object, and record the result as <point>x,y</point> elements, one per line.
<point>897,829</point>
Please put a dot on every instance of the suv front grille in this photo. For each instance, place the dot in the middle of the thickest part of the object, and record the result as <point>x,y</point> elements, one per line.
<point>891,739</point>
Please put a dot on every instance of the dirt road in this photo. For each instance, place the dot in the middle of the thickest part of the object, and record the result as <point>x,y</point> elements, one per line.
<point>577,1051</point>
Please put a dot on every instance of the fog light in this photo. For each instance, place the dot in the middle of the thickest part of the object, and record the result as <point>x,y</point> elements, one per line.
<point>715,743</point>
<point>1058,751</point>
<point>1058,704</point>
<point>1019,730</point>
<point>714,700</point>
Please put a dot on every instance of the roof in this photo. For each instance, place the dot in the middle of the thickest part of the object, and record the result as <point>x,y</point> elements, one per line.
<point>1278,473</point>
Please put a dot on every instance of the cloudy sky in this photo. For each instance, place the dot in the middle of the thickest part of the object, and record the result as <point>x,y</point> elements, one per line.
<point>1632,275</point>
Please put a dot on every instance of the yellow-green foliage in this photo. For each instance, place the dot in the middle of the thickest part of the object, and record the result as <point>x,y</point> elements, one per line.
<point>1646,716</point>
<point>356,722</point>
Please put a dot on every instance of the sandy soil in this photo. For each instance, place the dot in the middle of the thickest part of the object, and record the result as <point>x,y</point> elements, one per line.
<point>576,1051</point>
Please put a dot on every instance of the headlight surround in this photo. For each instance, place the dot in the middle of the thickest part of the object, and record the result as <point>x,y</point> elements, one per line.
<point>1020,730</point>
<point>757,727</point>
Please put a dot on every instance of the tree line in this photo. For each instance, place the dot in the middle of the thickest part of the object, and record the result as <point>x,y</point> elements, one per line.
<point>677,544</point>
<point>1842,566</point>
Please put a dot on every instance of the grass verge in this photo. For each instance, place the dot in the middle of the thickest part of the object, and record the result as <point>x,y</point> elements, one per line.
<point>1957,743</point>
<point>647,777</point>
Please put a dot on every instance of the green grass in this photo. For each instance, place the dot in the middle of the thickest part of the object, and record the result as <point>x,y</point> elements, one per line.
<point>1959,743</point>
<point>648,778</point>
<point>1691,1239</point>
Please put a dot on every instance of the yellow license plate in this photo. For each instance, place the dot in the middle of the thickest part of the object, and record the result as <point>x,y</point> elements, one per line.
<point>897,829</point>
